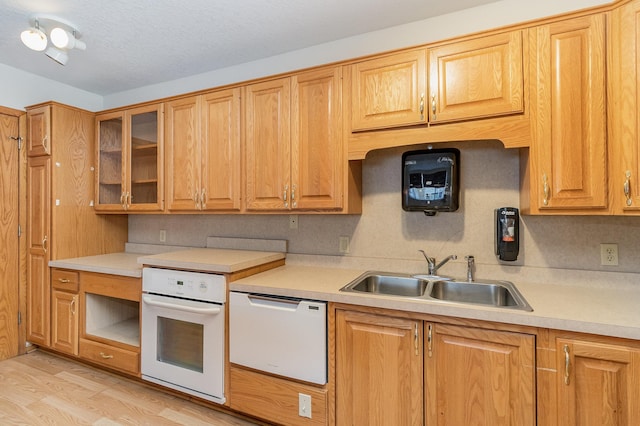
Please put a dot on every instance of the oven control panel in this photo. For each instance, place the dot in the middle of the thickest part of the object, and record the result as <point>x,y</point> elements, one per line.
<point>189,285</point>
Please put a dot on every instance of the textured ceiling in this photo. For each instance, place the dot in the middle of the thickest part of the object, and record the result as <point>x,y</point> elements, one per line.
<point>135,43</point>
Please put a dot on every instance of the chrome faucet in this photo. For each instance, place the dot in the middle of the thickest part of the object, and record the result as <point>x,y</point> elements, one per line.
<point>431,262</point>
<point>470,267</point>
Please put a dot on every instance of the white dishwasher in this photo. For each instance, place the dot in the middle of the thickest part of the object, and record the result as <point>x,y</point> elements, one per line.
<point>279,335</point>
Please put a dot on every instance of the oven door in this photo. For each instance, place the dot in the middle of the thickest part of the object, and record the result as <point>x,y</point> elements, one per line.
<point>182,345</point>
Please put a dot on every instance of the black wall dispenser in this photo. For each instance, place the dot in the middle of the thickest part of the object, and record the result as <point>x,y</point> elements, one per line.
<point>430,180</point>
<point>507,233</point>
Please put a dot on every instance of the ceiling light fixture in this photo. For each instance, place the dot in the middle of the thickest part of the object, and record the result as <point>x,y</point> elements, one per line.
<point>64,37</point>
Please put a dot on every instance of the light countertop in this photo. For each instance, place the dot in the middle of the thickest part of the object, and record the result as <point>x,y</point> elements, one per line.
<point>209,259</point>
<point>125,264</point>
<point>571,308</point>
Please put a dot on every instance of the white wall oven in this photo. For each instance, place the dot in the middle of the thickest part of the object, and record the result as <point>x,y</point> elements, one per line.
<point>183,329</point>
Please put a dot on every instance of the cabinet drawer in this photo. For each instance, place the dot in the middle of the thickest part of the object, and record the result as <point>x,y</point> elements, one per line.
<point>275,399</point>
<point>64,280</point>
<point>109,356</point>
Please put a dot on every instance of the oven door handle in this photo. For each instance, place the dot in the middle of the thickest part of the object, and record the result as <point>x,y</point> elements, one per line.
<point>205,311</point>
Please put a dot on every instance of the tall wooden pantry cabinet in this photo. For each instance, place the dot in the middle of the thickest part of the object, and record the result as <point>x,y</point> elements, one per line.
<point>61,222</point>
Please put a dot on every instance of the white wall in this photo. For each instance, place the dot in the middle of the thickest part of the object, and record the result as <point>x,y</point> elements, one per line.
<point>19,89</point>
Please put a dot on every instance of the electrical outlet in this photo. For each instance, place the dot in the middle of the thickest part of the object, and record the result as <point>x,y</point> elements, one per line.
<point>293,221</point>
<point>304,405</point>
<point>343,243</point>
<point>609,254</point>
<point>163,236</point>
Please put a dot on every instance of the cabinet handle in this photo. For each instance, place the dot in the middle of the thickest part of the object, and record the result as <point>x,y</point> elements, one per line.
<point>430,340</point>
<point>73,306</point>
<point>422,106</point>
<point>294,203</point>
<point>105,356</point>
<point>128,199</point>
<point>433,107</point>
<point>567,364</point>
<point>416,339</point>
<point>64,280</point>
<point>627,187</point>
<point>44,244</point>
<point>285,194</point>
<point>44,143</point>
<point>123,200</point>
<point>196,199</point>
<point>545,189</point>
<point>203,199</point>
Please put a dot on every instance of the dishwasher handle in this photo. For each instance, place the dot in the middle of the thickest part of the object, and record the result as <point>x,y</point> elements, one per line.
<point>273,302</point>
<point>203,311</point>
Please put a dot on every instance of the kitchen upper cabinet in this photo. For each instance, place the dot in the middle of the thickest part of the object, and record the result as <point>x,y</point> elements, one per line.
<point>130,160</point>
<point>203,152</point>
<point>567,170</point>
<point>39,129</point>
<point>469,79</point>
<point>478,376</point>
<point>378,369</point>
<point>598,383</point>
<point>476,78</point>
<point>624,104</point>
<point>389,91</point>
<point>295,157</point>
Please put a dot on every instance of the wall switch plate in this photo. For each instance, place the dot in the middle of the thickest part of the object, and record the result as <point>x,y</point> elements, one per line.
<point>304,405</point>
<point>609,254</point>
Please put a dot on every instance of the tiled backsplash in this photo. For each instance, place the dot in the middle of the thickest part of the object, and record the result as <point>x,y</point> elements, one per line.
<point>387,236</point>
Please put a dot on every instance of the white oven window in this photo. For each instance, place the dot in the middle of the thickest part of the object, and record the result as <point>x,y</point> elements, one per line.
<point>180,343</point>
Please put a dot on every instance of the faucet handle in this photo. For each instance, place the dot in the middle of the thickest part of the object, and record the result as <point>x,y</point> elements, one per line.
<point>470,266</point>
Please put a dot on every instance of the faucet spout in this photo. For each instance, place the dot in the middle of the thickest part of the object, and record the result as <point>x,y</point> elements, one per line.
<point>431,262</point>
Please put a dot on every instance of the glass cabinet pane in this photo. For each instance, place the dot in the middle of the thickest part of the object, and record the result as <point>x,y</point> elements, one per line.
<point>144,158</point>
<point>110,180</point>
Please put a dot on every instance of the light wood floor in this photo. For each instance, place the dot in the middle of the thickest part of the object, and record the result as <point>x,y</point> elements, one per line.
<point>43,389</point>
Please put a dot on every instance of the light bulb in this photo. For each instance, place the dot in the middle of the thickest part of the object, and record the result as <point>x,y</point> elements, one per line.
<point>63,39</point>
<point>34,39</point>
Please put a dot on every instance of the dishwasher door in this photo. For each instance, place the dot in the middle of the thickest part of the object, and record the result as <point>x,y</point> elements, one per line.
<point>282,336</point>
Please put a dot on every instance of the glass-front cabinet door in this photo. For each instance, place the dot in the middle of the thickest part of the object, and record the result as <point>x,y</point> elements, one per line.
<point>130,160</point>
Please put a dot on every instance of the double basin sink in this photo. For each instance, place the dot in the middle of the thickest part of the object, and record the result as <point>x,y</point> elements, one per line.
<point>502,294</point>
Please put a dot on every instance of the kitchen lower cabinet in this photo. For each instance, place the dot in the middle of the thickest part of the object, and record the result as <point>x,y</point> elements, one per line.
<point>378,369</point>
<point>597,382</point>
<point>479,376</point>
<point>110,321</point>
<point>64,311</point>
<point>276,399</point>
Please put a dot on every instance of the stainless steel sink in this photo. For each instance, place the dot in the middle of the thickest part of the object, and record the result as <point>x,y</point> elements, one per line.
<point>391,285</point>
<point>502,294</point>
<point>491,293</point>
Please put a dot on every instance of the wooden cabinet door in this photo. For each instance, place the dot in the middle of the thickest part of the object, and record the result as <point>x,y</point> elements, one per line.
<point>476,78</point>
<point>569,144</point>
<point>625,101</point>
<point>110,137</point>
<point>144,159</point>
<point>268,143</point>
<point>221,151</point>
<point>39,131</point>
<point>64,318</point>
<point>389,92</point>
<point>317,153</point>
<point>38,253</point>
<point>378,370</point>
<point>598,384</point>
<point>480,377</point>
<point>183,154</point>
